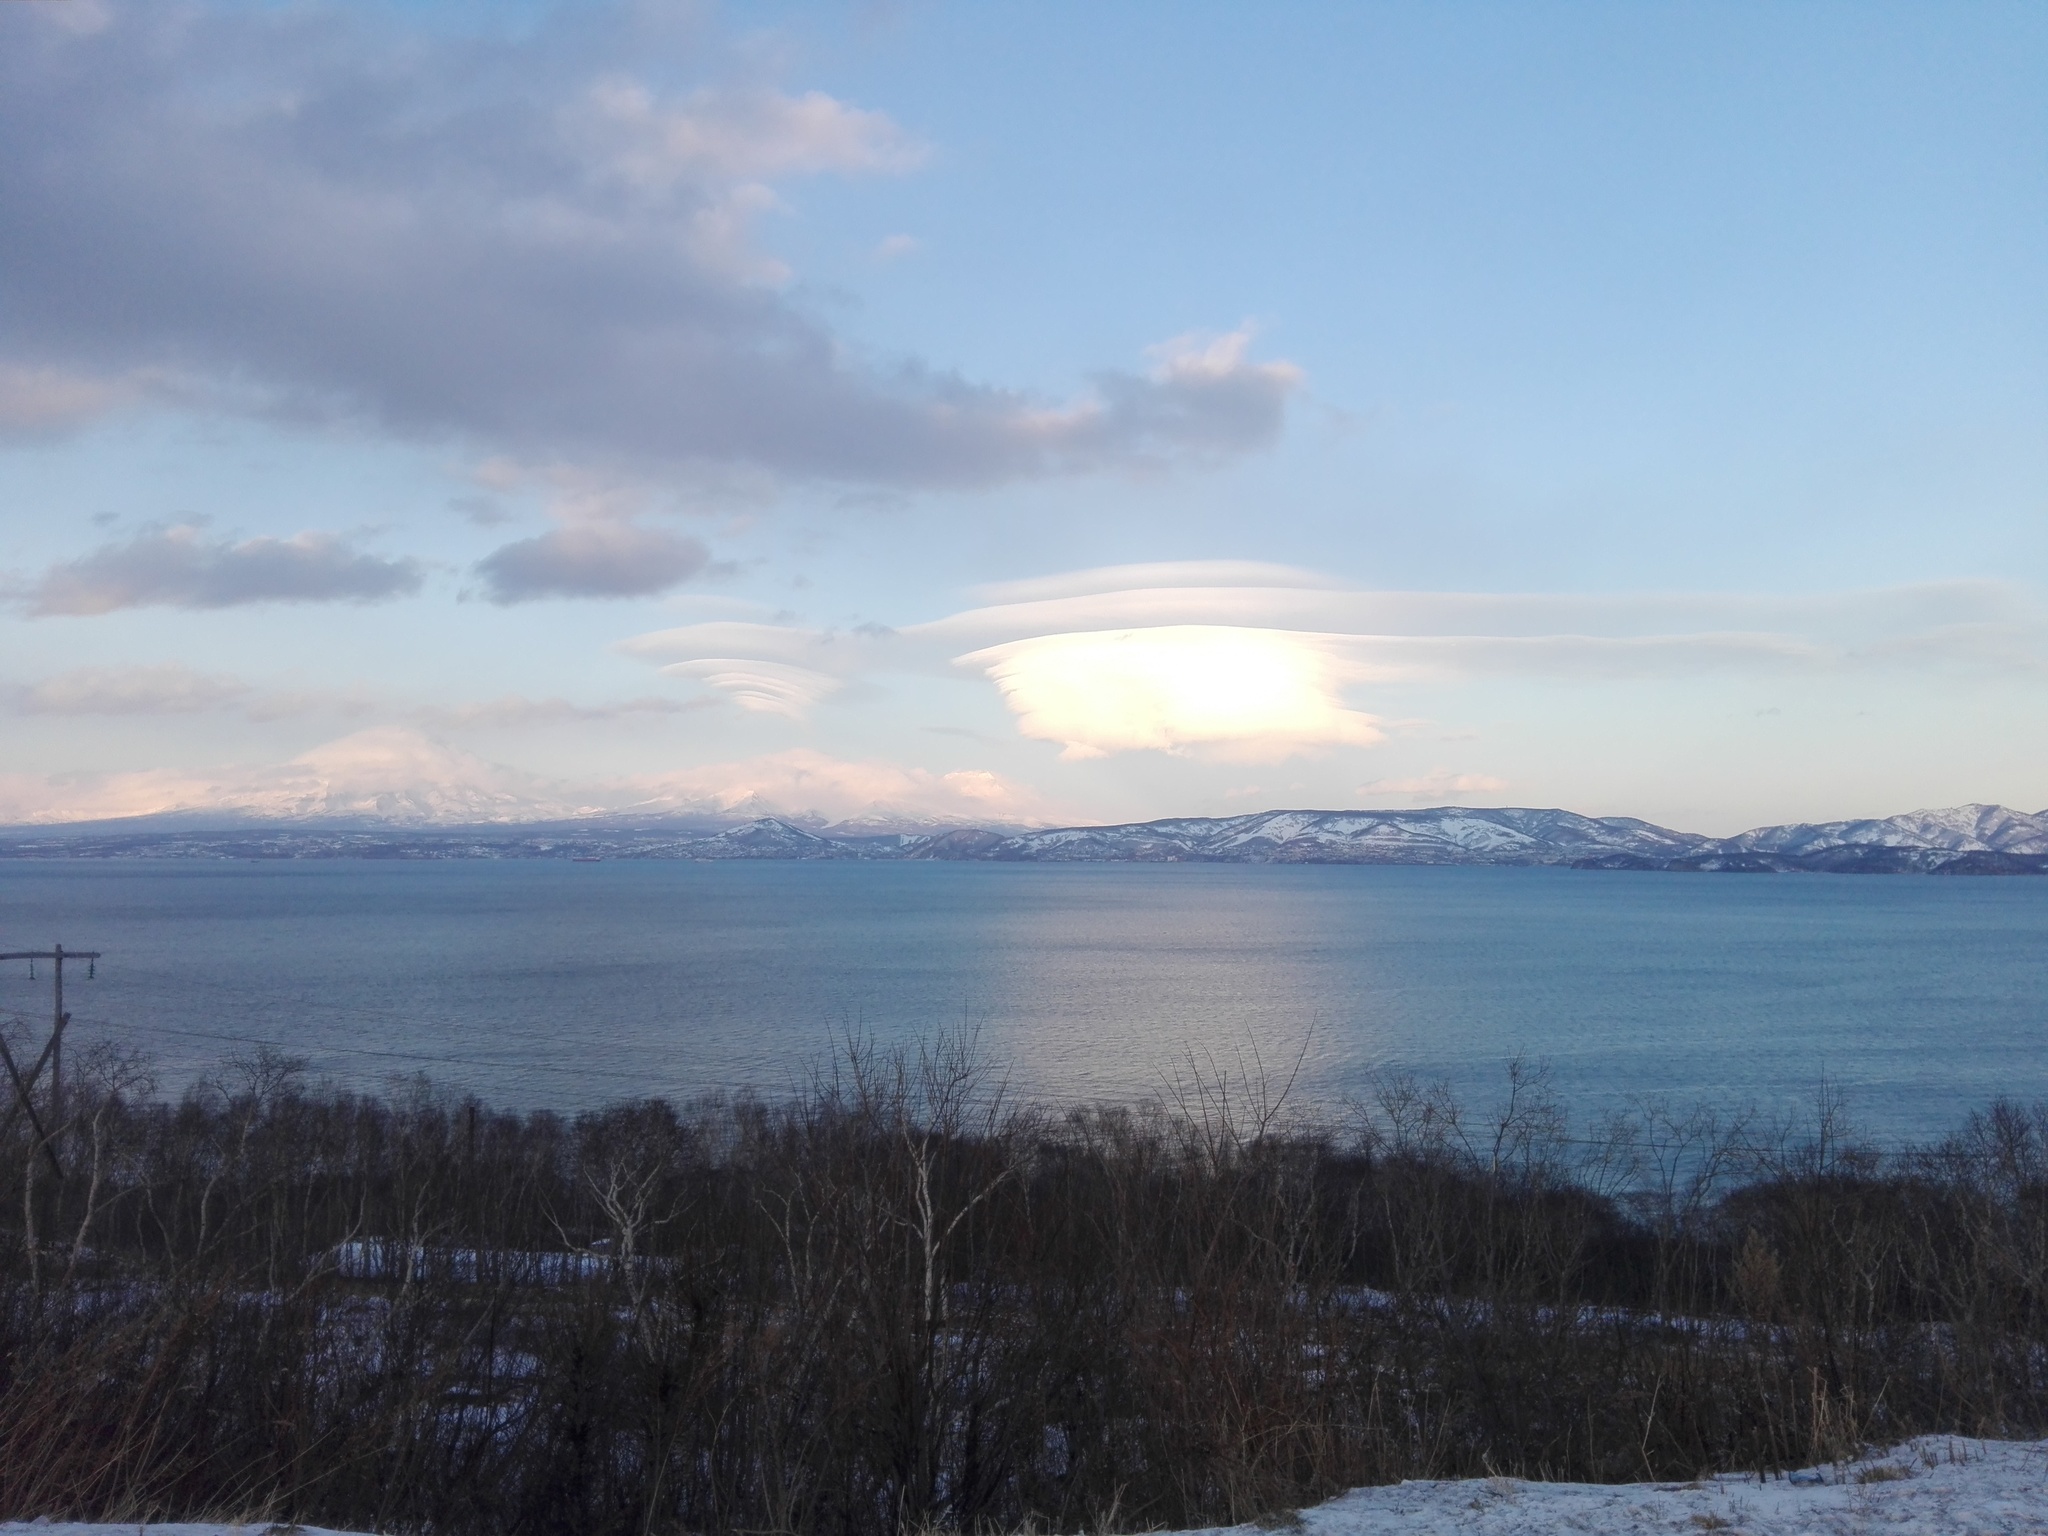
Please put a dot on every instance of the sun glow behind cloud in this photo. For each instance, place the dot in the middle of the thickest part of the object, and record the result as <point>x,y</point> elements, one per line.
<point>1252,693</point>
<point>1248,662</point>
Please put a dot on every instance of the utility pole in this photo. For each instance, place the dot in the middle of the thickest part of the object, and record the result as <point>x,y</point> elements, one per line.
<point>52,1054</point>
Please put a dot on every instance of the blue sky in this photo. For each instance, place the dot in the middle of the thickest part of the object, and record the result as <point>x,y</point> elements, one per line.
<point>1025,412</point>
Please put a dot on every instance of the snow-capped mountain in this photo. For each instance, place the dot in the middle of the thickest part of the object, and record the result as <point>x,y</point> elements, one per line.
<point>1972,839</point>
<point>386,776</point>
<point>394,777</point>
<point>438,801</point>
<point>769,838</point>
<point>1964,828</point>
<point>1966,840</point>
<point>1446,835</point>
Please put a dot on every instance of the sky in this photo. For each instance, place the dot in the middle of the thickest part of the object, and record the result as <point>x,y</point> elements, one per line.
<point>1023,413</point>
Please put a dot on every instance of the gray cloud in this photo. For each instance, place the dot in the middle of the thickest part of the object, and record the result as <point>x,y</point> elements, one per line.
<point>481,510</point>
<point>39,401</point>
<point>528,243</point>
<point>178,567</point>
<point>172,688</point>
<point>168,689</point>
<point>592,559</point>
<point>515,709</point>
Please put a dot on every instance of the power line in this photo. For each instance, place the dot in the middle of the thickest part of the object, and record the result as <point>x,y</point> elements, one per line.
<point>356,1050</point>
<point>485,1064</point>
<point>53,1053</point>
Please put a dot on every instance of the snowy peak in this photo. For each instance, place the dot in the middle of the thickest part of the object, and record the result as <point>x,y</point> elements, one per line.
<point>1444,835</point>
<point>1972,839</point>
<point>1962,828</point>
<point>401,778</point>
<point>767,838</point>
<point>452,804</point>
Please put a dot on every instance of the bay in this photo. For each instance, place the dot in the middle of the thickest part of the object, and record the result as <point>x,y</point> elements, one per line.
<point>552,983</point>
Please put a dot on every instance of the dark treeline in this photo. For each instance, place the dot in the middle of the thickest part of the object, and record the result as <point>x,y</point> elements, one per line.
<point>897,1303</point>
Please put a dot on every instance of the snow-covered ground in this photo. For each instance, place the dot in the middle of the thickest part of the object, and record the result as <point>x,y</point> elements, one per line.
<point>1936,1486</point>
<point>1930,1487</point>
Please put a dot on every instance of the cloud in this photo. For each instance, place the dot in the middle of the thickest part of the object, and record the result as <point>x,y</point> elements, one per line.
<point>1246,659</point>
<point>807,783</point>
<point>397,774</point>
<point>36,400</point>
<point>761,687</point>
<point>513,709</point>
<point>734,135</point>
<point>168,689</point>
<point>526,241</point>
<point>387,772</point>
<point>1262,693</point>
<point>1173,575</point>
<point>896,247</point>
<point>591,559</point>
<point>179,567</point>
<point>1570,625</point>
<point>171,688</point>
<point>480,510</point>
<point>1202,392</point>
<point>764,668</point>
<point>1437,784</point>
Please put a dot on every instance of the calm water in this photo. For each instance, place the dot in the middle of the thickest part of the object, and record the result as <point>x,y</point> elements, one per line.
<point>571,983</point>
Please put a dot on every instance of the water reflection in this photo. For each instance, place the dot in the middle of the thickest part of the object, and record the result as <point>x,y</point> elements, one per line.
<point>567,984</point>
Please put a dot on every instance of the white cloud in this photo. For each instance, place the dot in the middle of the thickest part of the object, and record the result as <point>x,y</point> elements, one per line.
<point>1254,659</point>
<point>1278,597</point>
<point>398,774</point>
<point>1258,693</point>
<point>733,135</point>
<point>811,784</point>
<point>386,772</point>
<point>765,668</point>
<point>1437,784</point>
<point>762,687</point>
<point>1201,575</point>
<point>513,710</point>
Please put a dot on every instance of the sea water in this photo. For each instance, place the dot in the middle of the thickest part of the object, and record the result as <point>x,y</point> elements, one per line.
<point>567,984</point>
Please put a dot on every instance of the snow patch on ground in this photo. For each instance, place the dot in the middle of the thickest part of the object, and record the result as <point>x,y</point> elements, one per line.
<point>1936,1486</point>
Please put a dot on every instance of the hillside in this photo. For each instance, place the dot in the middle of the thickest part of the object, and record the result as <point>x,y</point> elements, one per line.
<point>1962,840</point>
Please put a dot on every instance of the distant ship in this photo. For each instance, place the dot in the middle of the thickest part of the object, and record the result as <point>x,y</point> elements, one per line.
<point>586,858</point>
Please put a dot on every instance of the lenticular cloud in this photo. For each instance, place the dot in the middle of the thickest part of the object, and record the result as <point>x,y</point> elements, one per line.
<point>1253,662</point>
<point>1262,692</point>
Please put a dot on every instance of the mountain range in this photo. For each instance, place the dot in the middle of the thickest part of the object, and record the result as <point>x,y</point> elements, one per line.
<point>1985,839</point>
<point>1968,839</point>
<point>393,792</point>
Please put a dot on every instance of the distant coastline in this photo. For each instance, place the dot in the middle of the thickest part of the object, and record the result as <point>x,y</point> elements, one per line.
<point>1962,840</point>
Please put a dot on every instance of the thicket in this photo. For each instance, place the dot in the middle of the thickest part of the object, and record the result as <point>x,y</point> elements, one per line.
<point>898,1302</point>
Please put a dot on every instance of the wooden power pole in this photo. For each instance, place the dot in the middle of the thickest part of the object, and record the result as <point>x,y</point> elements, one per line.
<point>52,1054</point>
